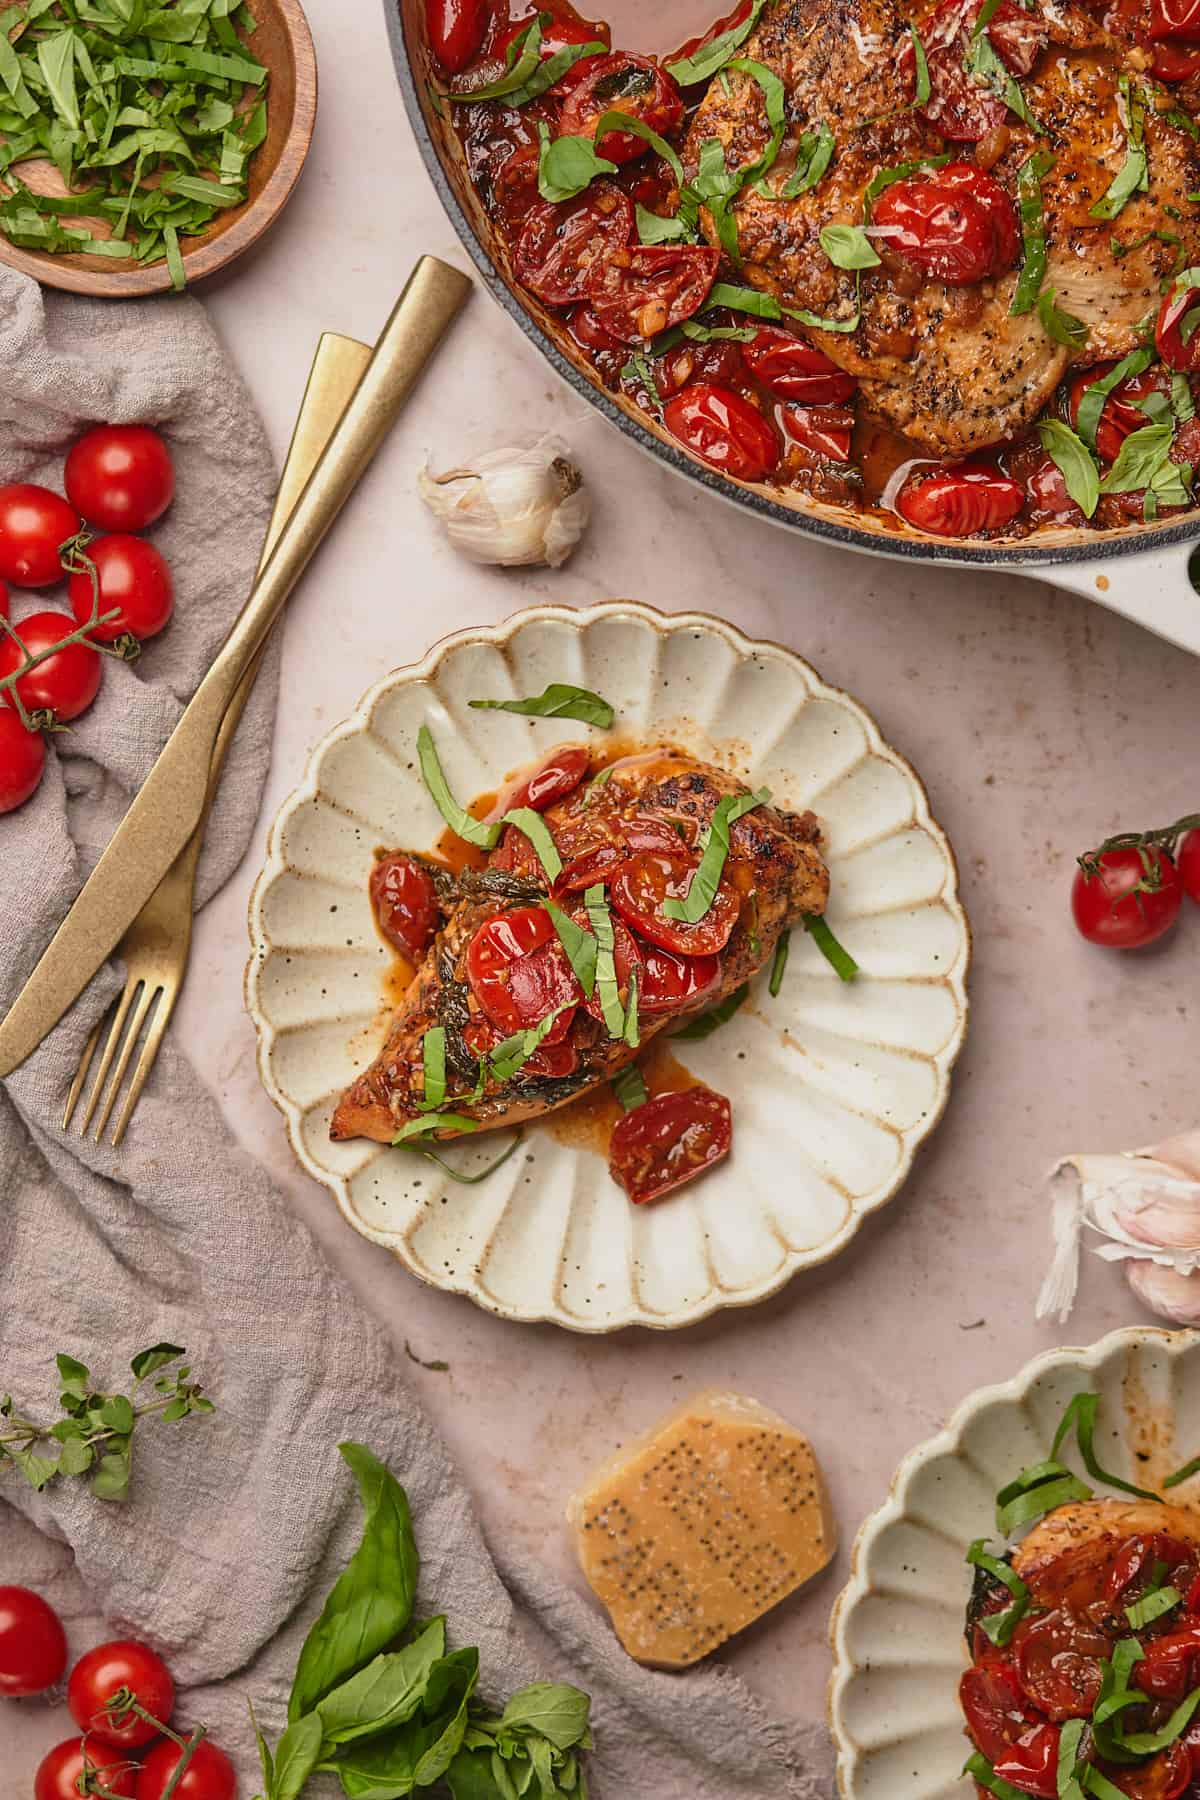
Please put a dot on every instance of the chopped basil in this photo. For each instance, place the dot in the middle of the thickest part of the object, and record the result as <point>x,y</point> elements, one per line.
<point>689,71</point>
<point>526,74</point>
<point>511,1055</point>
<point>1074,461</point>
<point>433,1055</point>
<point>1185,1474</point>
<point>717,186</point>
<point>457,1174</point>
<point>985,67</point>
<point>983,1772</point>
<point>714,850</point>
<point>1080,1417</point>
<point>537,831</point>
<point>1033,230</point>
<point>1087,418</point>
<point>848,247</point>
<point>1134,174</point>
<point>656,228</point>
<point>567,165</point>
<point>484,837</point>
<point>885,177</point>
<point>1141,455</point>
<point>1000,1626</point>
<point>924,88</point>
<point>1062,326</point>
<point>630,1088</point>
<point>835,954</point>
<point>1182,404</point>
<point>632,1033</point>
<point>432,1122</point>
<point>1071,1765</point>
<point>814,153</point>
<point>743,299</point>
<point>580,946</point>
<point>621,121</point>
<point>1152,1606</point>
<point>1036,1491</point>
<point>606,968</point>
<point>1149,1743</point>
<point>592,791</point>
<point>559,701</point>
<point>1120,250</point>
<point>711,1021</point>
<point>817,323</point>
<point>638,369</point>
<point>779,964</point>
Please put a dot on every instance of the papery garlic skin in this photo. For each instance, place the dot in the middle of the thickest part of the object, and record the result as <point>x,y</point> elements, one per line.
<point>512,507</point>
<point>1172,1296</point>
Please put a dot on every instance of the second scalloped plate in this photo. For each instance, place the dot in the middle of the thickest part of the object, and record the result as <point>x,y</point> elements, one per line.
<point>834,1086</point>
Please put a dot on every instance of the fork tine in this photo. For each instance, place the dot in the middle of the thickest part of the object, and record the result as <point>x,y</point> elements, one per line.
<point>85,1063</point>
<point>110,1049</point>
<point>154,1038</point>
<point>138,1018</point>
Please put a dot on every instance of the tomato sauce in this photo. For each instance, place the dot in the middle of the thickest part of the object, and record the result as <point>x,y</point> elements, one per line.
<point>587,1123</point>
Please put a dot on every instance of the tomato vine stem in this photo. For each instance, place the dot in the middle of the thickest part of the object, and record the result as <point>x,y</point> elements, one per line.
<point>75,561</point>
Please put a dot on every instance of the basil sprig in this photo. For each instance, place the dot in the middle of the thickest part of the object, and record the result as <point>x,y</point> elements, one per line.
<point>1000,1626</point>
<point>702,890</point>
<point>1033,230</point>
<point>526,74</point>
<point>1134,174</point>
<point>689,71</point>
<point>1074,461</point>
<point>559,701</point>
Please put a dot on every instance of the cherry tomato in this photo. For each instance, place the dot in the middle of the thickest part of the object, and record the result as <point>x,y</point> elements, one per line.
<point>519,972</point>
<point>551,781</point>
<point>717,29</point>
<point>33,524</point>
<point>1049,499</point>
<point>795,370</point>
<point>960,502</point>
<point>103,1672</point>
<point>587,330</point>
<point>994,1706</point>
<point>1189,865</point>
<point>560,34</point>
<point>1031,1764</point>
<point>4,608</point>
<point>622,83</point>
<point>958,107</point>
<point>825,430</point>
<point>120,477</point>
<point>33,1644</point>
<point>669,1140</point>
<point>641,885</point>
<point>559,245</point>
<point>1127,904</point>
<point>668,982</point>
<point>1176,331</point>
<point>723,430</point>
<point>683,364</point>
<point>65,684</point>
<point>1175,19</point>
<point>134,578</point>
<point>22,759</point>
<point>957,224</point>
<point>650,288</point>
<point>209,1774</point>
<point>1165,1777</point>
<point>1173,63</point>
<point>456,31</point>
<point>1058,1663</point>
<point>1167,1670</point>
<point>550,1062</point>
<point>405,903</point>
<point>60,1771</point>
<point>1120,416</point>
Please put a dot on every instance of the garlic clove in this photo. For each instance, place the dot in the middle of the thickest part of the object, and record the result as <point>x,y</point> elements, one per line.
<point>1166,1293</point>
<point>513,507</point>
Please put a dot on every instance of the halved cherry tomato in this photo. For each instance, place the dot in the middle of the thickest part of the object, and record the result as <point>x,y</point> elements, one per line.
<point>957,224</point>
<point>1120,416</point>
<point>795,370</point>
<point>587,330</point>
<point>560,34</point>
<point>825,430</point>
<point>1124,906</point>
<point>549,1062</point>
<point>67,682</point>
<point>551,781</point>
<point>724,430</point>
<point>717,29</point>
<point>1168,1668</point>
<point>626,958</point>
<point>668,982</point>
<point>405,903</point>
<point>641,885</point>
<point>1179,19</point>
<point>456,30</point>
<point>622,83</point>
<point>1058,1660</point>
<point>134,581</point>
<point>960,502</point>
<point>958,107</point>
<point>33,524</point>
<point>1188,863</point>
<point>643,291</point>
<point>559,245</point>
<point>720,361</point>
<point>1177,329</point>
<point>1173,63</point>
<point>1165,1777</point>
<point>519,972</point>
<point>1031,1764</point>
<point>1130,1562</point>
<point>22,759</point>
<point>669,1140</point>
<point>996,1710</point>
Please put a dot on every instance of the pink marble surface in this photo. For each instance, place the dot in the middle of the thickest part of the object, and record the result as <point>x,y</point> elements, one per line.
<point>1039,724</point>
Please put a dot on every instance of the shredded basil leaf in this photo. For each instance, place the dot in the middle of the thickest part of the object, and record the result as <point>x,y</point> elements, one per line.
<point>457,1174</point>
<point>1070,1764</point>
<point>580,946</point>
<point>1149,1743</point>
<point>630,1088</point>
<point>606,968</point>
<point>835,954</point>
<point>434,1122</point>
<point>632,1033</point>
<point>473,831</point>
<point>527,75</point>
<point>1035,1491</point>
<point>1152,1606</point>
<point>714,850</point>
<point>1182,404</point>
<point>511,1055</point>
<point>1000,1626</point>
<point>621,121</point>
<point>559,701</point>
<point>848,247</point>
<point>433,1055</point>
<point>1080,1417</point>
<point>814,153</point>
<point>983,1772</point>
<point>1062,327</point>
<point>779,964</point>
<point>893,172</point>
<point>1087,418</point>
<point>1033,230</point>
<point>567,165</point>
<point>1134,174</point>
<point>924,88</point>
<point>689,71</point>
<point>537,831</point>
<point>638,369</point>
<point>1074,461</point>
<point>1185,1474</point>
<point>704,1026</point>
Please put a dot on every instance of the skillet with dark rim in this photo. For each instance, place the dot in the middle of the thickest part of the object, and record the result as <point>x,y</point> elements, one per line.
<point>1148,573</point>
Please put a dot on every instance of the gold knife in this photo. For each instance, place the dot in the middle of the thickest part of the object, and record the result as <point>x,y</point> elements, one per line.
<point>169,805</point>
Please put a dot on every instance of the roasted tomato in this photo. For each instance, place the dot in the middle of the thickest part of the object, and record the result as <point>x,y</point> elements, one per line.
<point>1031,1764</point>
<point>643,291</point>
<point>1165,1777</point>
<point>587,330</point>
<point>551,781</point>
<point>1178,19</point>
<point>1168,1669</point>
<point>405,903</point>
<point>1120,416</point>
<point>549,1062</point>
<point>1172,62</point>
<point>644,882</point>
<point>669,1140</point>
<point>960,502</point>
<point>956,224</point>
<point>559,34</point>
<point>1049,500</point>
<point>519,972</point>
<point>626,84</point>
<point>1177,329</point>
<point>795,370</point>
<point>720,362</point>
<point>1058,1660</point>
<point>626,958</point>
<point>559,245</point>
<point>456,30</point>
<point>668,982</point>
<point>958,107</point>
<point>724,430</point>
<point>995,1708</point>
<point>825,430</point>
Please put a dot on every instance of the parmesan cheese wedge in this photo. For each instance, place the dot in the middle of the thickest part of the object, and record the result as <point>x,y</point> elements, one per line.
<point>700,1527</point>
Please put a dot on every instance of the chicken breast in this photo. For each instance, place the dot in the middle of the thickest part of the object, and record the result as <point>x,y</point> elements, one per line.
<point>1078,1541</point>
<point>774,868</point>
<point>949,367</point>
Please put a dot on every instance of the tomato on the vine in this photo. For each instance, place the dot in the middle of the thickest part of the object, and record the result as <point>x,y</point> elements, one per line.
<point>33,1644</point>
<point>209,1774</point>
<point>61,1770</point>
<point>22,759</point>
<point>134,579</point>
<point>1188,864</point>
<point>111,1669</point>
<point>669,1140</point>
<point>120,477</point>
<point>67,682</point>
<point>724,430</point>
<point>34,523</point>
<point>628,84</point>
<point>405,903</point>
<point>1130,898</point>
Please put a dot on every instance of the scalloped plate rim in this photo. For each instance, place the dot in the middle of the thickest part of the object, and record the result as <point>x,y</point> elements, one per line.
<point>425,669</point>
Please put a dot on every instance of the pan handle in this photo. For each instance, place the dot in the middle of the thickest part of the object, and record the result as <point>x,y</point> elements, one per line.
<point>1155,589</point>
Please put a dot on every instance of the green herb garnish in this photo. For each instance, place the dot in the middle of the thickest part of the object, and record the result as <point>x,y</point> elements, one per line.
<point>1185,1474</point>
<point>1134,174</point>
<point>986,1776</point>
<point>433,1057</point>
<point>433,1123</point>
<point>566,165</point>
<point>1062,327</point>
<point>1080,1417</point>
<point>1087,419</point>
<point>606,968</point>
<point>711,1021</point>
<point>714,849</point>
<point>559,701</point>
<point>630,1088</point>
<point>835,954</point>
<point>1151,1606</point>
<point>1035,1491</point>
<point>848,247</point>
<point>689,71</point>
<point>1074,461</point>
<point>1000,1626</point>
<point>924,88</point>
<point>779,964</point>
<point>1033,230</point>
<point>457,1175</point>
<point>580,946</point>
<point>527,74</point>
<point>814,153</point>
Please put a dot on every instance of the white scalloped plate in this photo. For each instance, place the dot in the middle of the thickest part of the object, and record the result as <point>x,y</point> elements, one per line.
<point>834,1087</point>
<point>897,1627</point>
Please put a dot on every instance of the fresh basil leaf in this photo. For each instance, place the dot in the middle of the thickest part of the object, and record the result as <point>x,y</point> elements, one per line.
<point>1149,1743</point>
<point>621,121</point>
<point>606,968</point>
<point>387,1693</point>
<point>1134,174</point>
<point>1152,1606</point>
<point>999,1627</point>
<point>1074,461</point>
<point>1033,230</point>
<point>580,946</point>
<point>779,964</point>
<point>630,1088</point>
<point>37,1470</point>
<point>654,228</point>
<point>56,59</point>
<point>433,1057</point>
<point>983,1772</point>
<point>567,165</point>
<point>835,954</point>
<point>553,1710</point>
<point>742,299</point>
<point>485,837</point>
<point>296,1756</point>
<point>714,850</point>
<point>535,828</point>
<point>371,1602</point>
<point>1062,327</point>
<point>632,1032</point>
<point>923,88</point>
<point>1070,1763</point>
<point>515,1051</point>
<point>415,1756</point>
<point>1042,1497</point>
<point>814,153</point>
<point>469,1776</point>
<point>1184,1474</point>
<point>559,701</point>
<point>706,1023</point>
<point>433,1123</point>
<point>848,247</point>
<point>521,61</point>
<point>1141,455</point>
<point>638,369</point>
<point>1087,418</point>
<point>689,71</point>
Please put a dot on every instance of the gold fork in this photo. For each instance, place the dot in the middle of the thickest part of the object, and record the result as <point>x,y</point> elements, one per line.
<point>155,948</point>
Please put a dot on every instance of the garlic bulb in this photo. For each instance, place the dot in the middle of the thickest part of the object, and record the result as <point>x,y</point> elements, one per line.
<point>512,506</point>
<point>1145,1204</point>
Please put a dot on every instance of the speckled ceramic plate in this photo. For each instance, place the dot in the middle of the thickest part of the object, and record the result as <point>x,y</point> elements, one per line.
<point>897,1630</point>
<point>834,1086</point>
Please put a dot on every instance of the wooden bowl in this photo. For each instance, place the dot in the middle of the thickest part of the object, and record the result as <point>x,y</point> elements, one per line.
<point>284,43</point>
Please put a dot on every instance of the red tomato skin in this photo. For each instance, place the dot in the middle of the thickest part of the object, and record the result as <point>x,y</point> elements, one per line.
<point>134,577</point>
<point>627,956</point>
<point>956,224</point>
<point>456,30</point>
<point>404,901</point>
<point>669,1140</point>
<point>550,1062</point>
<point>1109,913</point>
<point>715,30</point>
<point>1178,19</point>
<point>644,881</point>
<point>587,330</point>
<point>795,370</point>
<point>1058,1664</point>
<point>960,502</point>
<point>660,105</point>
<point>1188,864</point>
<point>957,107</point>
<point>1119,416</point>
<point>519,972</point>
<point>209,1774</point>
<point>33,523</point>
<point>994,1706</point>
<point>551,781</point>
<point>99,1674</point>
<point>1049,497</point>
<point>22,759</point>
<point>4,607</point>
<point>33,1644</point>
<point>651,288</point>
<point>120,477</point>
<point>1031,1764</point>
<point>65,684</point>
<point>724,430</point>
<point>1168,335</point>
<point>59,1770</point>
<point>668,982</point>
<point>1172,62</point>
<point>825,430</point>
<point>560,244</point>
